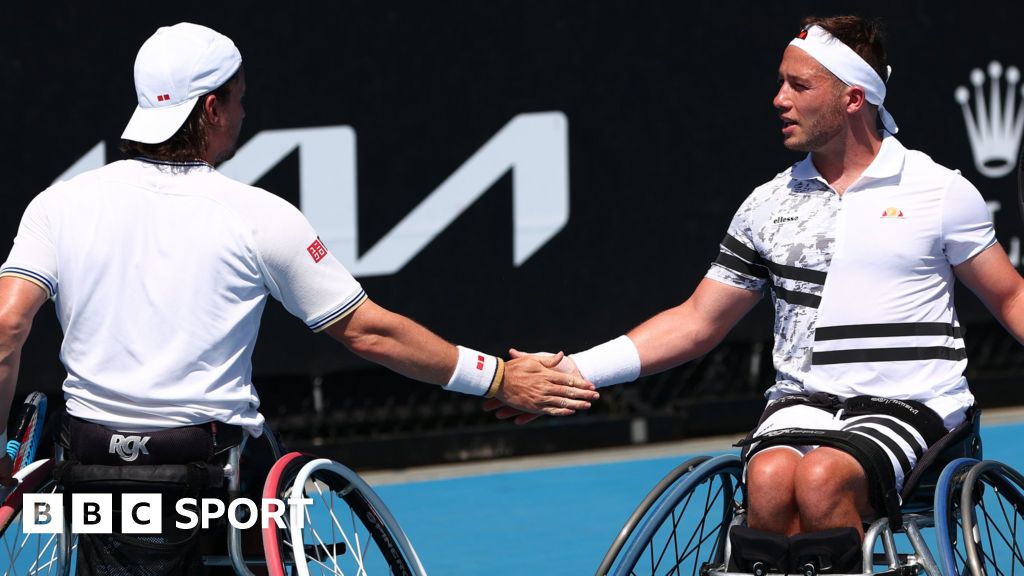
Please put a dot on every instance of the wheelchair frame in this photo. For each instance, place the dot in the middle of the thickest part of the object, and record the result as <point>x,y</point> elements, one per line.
<point>320,473</point>
<point>961,490</point>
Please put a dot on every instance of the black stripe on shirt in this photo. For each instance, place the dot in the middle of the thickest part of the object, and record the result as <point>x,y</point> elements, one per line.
<point>780,270</point>
<point>798,298</point>
<point>740,249</point>
<point>741,266</point>
<point>888,355</point>
<point>795,273</point>
<point>887,330</point>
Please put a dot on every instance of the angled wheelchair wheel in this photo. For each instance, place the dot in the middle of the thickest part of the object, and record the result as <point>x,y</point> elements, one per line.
<point>992,514</point>
<point>345,529</point>
<point>950,543</point>
<point>684,530</point>
<point>641,510</point>
<point>23,554</point>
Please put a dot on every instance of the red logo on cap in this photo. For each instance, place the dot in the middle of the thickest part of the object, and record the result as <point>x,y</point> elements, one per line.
<point>479,362</point>
<point>802,35</point>
<point>317,250</point>
<point>163,97</point>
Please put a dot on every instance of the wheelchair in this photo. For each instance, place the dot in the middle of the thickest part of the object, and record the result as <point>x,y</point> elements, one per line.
<point>346,529</point>
<point>959,515</point>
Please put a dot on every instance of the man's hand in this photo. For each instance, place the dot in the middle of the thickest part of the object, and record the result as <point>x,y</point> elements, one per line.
<point>533,386</point>
<point>565,365</point>
<point>6,471</point>
<point>580,392</point>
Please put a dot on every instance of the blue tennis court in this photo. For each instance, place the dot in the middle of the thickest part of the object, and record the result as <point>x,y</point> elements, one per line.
<point>555,520</point>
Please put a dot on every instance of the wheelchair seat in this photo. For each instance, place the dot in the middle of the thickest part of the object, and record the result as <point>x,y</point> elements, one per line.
<point>964,441</point>
<point>344,528</point>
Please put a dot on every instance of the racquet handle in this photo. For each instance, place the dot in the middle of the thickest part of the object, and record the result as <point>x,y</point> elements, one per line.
<point>21,424</point>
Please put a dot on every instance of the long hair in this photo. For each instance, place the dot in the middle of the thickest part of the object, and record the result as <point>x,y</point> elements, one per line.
<point>189,142</point>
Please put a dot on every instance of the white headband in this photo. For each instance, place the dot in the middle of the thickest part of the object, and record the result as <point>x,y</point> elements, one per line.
<point>848,66</point>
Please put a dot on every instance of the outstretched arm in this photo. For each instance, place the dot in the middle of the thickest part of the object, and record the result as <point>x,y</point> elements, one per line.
<point>668,339</point>
<point>691,329</point>
<point>398,343</point>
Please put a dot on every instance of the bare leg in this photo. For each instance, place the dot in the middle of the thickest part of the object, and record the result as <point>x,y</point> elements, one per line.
<point>771,491</point>
<point>831,491</point>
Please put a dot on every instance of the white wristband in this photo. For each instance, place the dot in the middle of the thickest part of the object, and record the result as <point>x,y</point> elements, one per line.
<point>476,373</point>
<point>614,362</point>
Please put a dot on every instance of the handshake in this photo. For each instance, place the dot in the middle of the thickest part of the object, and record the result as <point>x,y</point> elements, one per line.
<point>541,383</point>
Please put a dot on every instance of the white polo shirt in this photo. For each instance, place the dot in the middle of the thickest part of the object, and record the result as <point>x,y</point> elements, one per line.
<point>863,283</point>
<point>160,273</point>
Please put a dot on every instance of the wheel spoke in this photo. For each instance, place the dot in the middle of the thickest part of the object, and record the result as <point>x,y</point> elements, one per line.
<point>679,527</point>
<point>990,527</point>
<point>346,530</point>
<point>990,524</point>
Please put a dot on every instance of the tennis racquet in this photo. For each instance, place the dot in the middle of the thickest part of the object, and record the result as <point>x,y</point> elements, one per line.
<point>28,430</point>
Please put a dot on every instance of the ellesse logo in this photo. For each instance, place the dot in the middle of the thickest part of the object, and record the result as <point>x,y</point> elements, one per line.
<point>892,213</point>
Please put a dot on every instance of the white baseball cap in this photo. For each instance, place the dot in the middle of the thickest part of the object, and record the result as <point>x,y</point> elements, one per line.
<point>174,67</point>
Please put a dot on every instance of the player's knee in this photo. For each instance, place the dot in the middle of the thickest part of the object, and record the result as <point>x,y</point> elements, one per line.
<point>824,478</point>
<point>773,468</point>
<point>770,481</point>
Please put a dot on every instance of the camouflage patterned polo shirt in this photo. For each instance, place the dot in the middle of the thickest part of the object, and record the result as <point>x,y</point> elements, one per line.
<point>862,282</point>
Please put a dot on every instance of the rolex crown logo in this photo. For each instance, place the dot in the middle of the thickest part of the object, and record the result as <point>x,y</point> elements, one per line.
<point>994,126</point>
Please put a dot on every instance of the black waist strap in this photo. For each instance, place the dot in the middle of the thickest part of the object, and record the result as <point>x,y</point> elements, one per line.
<point>187,478</point>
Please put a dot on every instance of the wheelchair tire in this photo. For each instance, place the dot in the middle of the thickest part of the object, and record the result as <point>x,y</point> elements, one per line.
<point>627,529</point>
<point>992,511</point>
<point>31,554</point>
<point>686,530</point>
<point>950,544</point>
<point>346,530</point>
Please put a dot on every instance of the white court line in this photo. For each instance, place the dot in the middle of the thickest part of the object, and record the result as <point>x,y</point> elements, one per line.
<point>600,456</point>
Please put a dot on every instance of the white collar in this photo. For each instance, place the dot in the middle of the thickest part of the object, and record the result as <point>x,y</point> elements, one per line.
<point>887,163</point>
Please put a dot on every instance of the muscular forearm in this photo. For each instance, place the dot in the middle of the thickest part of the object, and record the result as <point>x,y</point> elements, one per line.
<point>674,337</point>
<point>407,348</point>
<point>670,338</point>
<point>12,338</point>
<point>404,346</point>
<point>693,328</point>
<point>396,342</point>
<point>1010,314</point>
<point>19,302</point>
<point>9,364</point>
